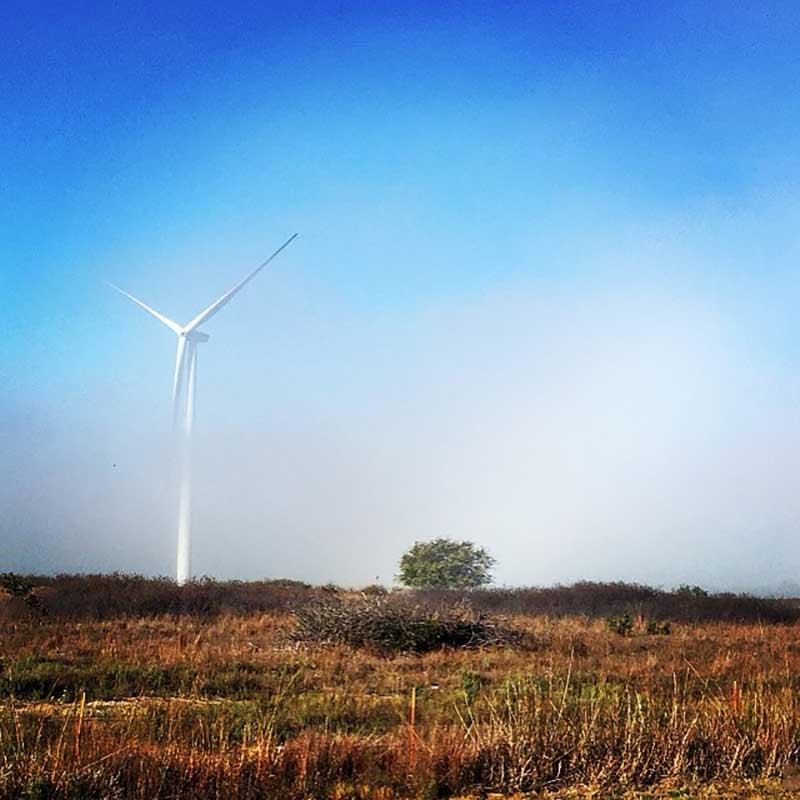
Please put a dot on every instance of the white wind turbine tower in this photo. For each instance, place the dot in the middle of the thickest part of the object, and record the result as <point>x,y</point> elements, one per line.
<point>183,389</point>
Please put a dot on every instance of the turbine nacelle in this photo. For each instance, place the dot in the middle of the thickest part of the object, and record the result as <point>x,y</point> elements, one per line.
<point>195,336</point>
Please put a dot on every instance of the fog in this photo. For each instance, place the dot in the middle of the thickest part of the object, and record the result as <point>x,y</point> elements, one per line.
<point>632,429</point>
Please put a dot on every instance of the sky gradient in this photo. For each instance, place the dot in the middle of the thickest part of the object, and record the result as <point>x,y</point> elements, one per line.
<point>544,295</point>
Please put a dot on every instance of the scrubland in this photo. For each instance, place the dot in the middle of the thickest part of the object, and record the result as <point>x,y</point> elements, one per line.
<point>120,697</point>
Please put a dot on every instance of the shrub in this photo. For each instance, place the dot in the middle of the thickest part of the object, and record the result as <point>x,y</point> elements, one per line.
<point>15,586</point>
<point>375,589</point>
<point>656,628</point>
<point>601,600</point>
<point>109,596</point>
<point>101,597</point>
<point>691,591</point>
<point>471,684</point>
<point>391,625</point>
<point>445,564</point>
<point>622,624</point>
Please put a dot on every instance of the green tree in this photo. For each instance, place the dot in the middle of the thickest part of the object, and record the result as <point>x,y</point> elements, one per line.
<point>445,564</point>
<point>691,591</point>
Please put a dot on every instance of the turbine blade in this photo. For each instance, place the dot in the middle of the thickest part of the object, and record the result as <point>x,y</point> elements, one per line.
<point>179,360</point>
<point>160,317</point>
<point>218,304</point>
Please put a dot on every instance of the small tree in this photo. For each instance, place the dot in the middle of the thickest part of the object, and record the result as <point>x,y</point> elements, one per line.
<point>445,564</point>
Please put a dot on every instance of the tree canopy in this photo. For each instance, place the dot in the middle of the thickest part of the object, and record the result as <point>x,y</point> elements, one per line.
<point>445,564</point>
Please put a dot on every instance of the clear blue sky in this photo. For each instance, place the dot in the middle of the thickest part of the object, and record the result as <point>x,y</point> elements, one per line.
<point>469,180</point>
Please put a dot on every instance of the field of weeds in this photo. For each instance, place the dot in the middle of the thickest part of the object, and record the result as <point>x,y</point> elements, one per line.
<point>236,705</point>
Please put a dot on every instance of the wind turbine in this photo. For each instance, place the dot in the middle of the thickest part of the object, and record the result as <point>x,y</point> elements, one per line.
<point>183,391</point>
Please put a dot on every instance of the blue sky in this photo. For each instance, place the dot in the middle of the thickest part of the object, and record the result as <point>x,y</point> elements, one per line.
<point>485,193</point>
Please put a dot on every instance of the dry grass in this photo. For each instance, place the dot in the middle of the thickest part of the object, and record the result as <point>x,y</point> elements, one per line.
<point>228,706</point>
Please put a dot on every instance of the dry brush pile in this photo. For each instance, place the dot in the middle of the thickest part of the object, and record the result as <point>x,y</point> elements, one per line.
<point>398,624</point>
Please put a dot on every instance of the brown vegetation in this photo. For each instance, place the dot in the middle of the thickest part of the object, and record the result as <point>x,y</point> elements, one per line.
<point>183,706</point>
<point>101,597</point>
<point>398,624</point>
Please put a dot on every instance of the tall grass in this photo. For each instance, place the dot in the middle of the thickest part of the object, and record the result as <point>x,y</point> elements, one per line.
<point>525,737</point>
<point>228,706</point>
<point>133,687</point>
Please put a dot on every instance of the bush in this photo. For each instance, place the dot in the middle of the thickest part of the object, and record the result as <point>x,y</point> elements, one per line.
<point>622,624</point>
<point>601,600</point>
<point>445,564</point>
<point>118,595</point>
<point>392,625</point>
<point>471,684</point>
<point>656,628</point>
<point>17,587</point>
<point>691,591</point>
<point>375,589</point>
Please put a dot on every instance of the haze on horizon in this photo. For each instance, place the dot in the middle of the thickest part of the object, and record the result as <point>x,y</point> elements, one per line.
<point>544,296</point>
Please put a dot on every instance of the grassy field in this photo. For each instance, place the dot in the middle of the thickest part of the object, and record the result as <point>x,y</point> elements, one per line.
<point>229,705</point>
